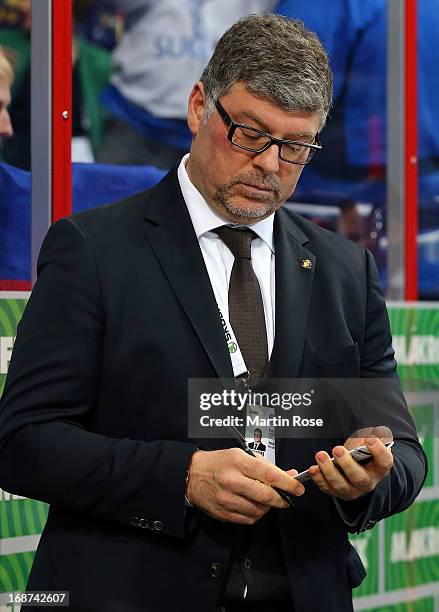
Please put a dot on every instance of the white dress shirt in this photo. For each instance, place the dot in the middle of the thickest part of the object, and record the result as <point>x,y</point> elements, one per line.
<point>219,259</point>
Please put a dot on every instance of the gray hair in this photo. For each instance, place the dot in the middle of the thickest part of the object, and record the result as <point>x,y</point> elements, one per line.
<point>277,59</point>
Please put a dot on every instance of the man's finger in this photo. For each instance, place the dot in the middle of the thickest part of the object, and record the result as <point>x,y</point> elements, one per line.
<point>353,471</point>
<point>318,479</point>
<point>256,491</point>
<point>382,456</point>
<point>243,481</point>
<point>246,507</point>
<point>272,475</point>
<point>292,472</point>
<point>336,481</point>
<point>265,494</point>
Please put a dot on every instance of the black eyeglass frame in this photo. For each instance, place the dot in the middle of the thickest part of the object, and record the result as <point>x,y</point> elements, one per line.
<point>233,125</point>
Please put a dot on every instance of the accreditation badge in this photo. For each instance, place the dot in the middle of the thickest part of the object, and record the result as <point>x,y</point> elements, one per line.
<point>259,431</point>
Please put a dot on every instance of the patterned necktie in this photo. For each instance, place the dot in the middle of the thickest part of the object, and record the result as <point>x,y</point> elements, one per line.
<point>246,309</point>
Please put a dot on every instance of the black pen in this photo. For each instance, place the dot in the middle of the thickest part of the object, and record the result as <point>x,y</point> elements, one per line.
<point>237,435</point>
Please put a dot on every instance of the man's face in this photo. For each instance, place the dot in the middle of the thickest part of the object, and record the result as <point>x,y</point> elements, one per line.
<point>6,130</point>
<point>257,437</point>
<point>241,186</point>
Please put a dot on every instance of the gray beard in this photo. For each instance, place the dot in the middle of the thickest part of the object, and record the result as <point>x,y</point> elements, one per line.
<point>263,210</point>
<point>266,204</point>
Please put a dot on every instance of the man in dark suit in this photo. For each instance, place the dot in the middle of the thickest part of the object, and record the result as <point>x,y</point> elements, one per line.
<point>125,311</point>
<point>257,445</point>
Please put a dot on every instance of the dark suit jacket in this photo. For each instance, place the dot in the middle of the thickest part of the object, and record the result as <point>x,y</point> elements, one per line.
<point>261,446</point>
<point>93,419</point>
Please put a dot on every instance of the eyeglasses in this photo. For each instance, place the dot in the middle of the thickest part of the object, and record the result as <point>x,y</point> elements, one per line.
<point>252,139</point>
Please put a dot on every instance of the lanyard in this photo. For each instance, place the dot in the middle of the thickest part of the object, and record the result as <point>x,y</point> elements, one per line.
<point>238,363</point>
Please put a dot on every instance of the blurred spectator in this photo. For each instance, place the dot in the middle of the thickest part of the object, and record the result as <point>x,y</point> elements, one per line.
<point>350,222</point>
<point>98,22</point>
<point>354,34</point>
<point>354,137</point>
<point>15,41</point>
<point>362,228</point>
<point>91,73</point>
<point>15,13</point>
<point>96,26</point>
<point>162,52</point>
<point>6,78</point>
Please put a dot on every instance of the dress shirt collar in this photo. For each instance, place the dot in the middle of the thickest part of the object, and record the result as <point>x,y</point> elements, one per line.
<point>204,219</point>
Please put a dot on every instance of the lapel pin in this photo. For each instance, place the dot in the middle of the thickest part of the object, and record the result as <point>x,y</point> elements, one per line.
<point>306,264</point>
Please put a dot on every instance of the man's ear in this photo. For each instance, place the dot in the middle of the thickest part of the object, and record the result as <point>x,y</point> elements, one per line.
<point>196,107</point>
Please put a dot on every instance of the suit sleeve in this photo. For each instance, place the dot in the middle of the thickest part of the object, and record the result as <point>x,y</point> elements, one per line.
<point>386,404</point>
<point>52,387</point>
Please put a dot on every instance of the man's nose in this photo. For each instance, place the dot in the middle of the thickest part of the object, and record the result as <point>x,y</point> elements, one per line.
<point>6,129</point>
<point>268,160</point>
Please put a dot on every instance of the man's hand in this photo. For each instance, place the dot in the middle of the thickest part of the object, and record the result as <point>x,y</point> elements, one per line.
<point>231,485</point>
<point>351,479</point>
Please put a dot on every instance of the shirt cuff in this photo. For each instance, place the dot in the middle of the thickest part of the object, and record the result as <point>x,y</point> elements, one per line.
<point>187,503</point>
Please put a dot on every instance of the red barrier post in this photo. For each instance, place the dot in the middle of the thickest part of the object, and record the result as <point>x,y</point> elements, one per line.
<point>61,108</point>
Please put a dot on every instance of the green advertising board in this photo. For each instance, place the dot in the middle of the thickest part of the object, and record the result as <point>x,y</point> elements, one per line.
<point>401,554</point>
<point>21,520</point>
<point>412,546</point>
<point>11,309</point>
<point>402,560</point>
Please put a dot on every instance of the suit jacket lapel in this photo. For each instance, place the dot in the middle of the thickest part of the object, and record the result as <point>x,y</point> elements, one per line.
<point>169,231</point>
<point>295,267</point>
<point>171,235</point>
